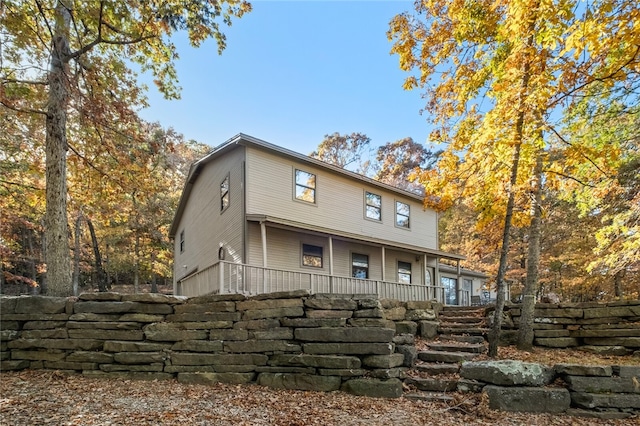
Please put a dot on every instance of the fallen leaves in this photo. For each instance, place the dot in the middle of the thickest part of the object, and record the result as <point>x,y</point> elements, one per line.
<point>40,397</point>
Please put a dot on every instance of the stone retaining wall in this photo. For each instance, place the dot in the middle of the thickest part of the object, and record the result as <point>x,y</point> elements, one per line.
<point>284,340</point>
<point>609,329</point>
<point>605,392</point>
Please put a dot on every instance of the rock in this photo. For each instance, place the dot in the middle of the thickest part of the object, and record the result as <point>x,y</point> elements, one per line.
<point>117,346</point>
<point>627,371</point>
<point>433,384</point>
<point>428,329</point>
<point>507,373</point>
<point>198,346</point>
<point>205,308</point>
<point>556,342</point>
<point>185,358</point>
<point>603,415</point>
<point>349,348</point>
<point>211,298</point>
<point>420,314</point>
<point>528,399</point>
<point>383,361</point>
<point>599,401</point>
<point>396,313</point>
<point>288,294</point>
<point>14,365</point>
<point>410,354</point>
<point>297,311</point>
<point>249,346</point>
<point>106,334</point>
<point>319,361</point>
<point>376,388</point>
<point>103,307</point>
<point>260,324</point>
<point>212,378</point>
<point>152,298</point>
<point>583,370</point>
<point>605,350</point>
<point>470,386</point>
<point>299,381</point>
<point>102,296</point>
<point>603,384</point>
<point>327,313</point>
<point>440,356</point>
<point>259,305</point>
<point>139,357</point>
<point>414,305</point>
<point>278,333</point>
<point>331,304</point>
<point>404,339</point>
<point>345,334</point>
<point>40,305</point>
<point>406,327</point>
<point>368,313</point>
<point>228,334</point>
<point>313,322</point>
<point>372,322</point>
<point>90,357</point>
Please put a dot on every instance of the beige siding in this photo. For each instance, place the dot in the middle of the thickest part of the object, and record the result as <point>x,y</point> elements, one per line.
<point>284,251</point>
<point>339,202</point>
<point>206,228</point>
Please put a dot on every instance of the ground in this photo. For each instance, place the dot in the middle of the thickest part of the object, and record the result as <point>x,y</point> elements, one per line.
<point>39,397</point>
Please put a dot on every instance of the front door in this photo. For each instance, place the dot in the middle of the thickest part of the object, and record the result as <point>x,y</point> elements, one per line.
<point>450,290</point>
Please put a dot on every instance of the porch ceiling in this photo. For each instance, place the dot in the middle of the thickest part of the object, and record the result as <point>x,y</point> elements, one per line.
<point>317,230</point>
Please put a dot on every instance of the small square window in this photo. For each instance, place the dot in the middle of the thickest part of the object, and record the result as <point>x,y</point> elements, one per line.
<point>373,206</point>
<point>404,272</point>
<point>359,266</point>
<point>312,256</point>
<point>402,214</point>
<point>182,241</point>
<point>224,194</point>
<point>305,186</point>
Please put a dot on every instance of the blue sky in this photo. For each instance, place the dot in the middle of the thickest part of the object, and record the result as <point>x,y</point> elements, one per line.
<point>292,72</point>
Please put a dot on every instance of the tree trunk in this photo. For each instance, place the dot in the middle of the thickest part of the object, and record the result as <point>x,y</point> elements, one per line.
<point>154,276</point>
<point>102,285</point>
<point>136,267</point>
<point>55,220</point>
<point>525,330</point>
<point>76,256</point>
<point>617,283</point>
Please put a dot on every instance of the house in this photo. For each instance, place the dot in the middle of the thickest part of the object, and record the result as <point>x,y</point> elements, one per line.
<point>255,217</point>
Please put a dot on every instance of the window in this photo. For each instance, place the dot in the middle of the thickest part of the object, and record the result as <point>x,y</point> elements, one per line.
<point>359,266</point>
<point>182,241</point>
<point>305,186</point>
<point>450,290</point>
<point>311,256</point>
<point>224,194</point>
<point>404,272</point>
<point>373,206</point>
<point>402,214</point>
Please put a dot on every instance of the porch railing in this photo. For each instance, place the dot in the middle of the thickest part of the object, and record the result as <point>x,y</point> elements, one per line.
<point>228,277</point>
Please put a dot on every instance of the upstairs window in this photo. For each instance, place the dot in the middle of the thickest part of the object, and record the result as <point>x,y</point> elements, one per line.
<point>305,186</point>
<point>224,194</point>
<point>402,215</point>
<point>404,272</point>
<point>182,241</point>
<point>311,256</point>
<point>373,206</point>
<point>359,266</point>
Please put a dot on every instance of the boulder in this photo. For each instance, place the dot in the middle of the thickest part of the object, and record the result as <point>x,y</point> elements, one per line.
<point>376,388</point>
<point>583,370</point>
<point>528,399</point>
<point>508,373</point>
<point>299,381</point>
<point>345,334</point>
<point>212,378</point>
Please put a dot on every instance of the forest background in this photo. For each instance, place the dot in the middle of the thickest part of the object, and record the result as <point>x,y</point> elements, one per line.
<point>555,82</point>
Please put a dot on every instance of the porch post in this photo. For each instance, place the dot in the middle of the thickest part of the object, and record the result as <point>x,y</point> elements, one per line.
<point>458,283</point>
<point>384,268</point>
<point>263,236</point>
<point>330,264</point>
<point>438,290</point>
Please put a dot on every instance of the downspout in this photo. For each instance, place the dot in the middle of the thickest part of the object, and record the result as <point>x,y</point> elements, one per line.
<point>458,283</point>
<point>330,264</point>
<point>384,265</point>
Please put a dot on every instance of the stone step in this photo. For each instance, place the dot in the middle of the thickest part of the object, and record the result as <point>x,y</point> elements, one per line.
<point>475,348</point>
<point>428,396</point>
<point>441,356</point>
<point>459,320</point>
<point>459,325</point>
<point>432,384</point>
<point>435,369</point>
<point>465,339</point>
<point>461,314</point>
<point>474,331</point>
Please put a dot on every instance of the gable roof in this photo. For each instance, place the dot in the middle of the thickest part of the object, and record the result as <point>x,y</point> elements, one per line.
<point>250,141</point>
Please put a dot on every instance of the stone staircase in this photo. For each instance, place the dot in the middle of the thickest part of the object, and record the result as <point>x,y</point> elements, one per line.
<point>462,339</point>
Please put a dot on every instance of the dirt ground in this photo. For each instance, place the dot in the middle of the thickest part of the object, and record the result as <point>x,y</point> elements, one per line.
<point>39,397</point>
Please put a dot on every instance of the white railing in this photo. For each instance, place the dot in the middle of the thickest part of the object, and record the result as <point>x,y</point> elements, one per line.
<point>227,277</point>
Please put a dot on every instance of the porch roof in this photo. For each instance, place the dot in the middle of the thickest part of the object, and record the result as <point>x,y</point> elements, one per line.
<point>290,224</point>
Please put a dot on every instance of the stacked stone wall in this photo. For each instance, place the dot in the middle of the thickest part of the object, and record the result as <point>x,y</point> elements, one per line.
<point>283,340</point>
<point>605,328</point>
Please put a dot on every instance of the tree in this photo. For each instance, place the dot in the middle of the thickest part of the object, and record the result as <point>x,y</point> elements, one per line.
<point>504,68</point>
<point>397,161</point>
<point>73,37</point>
<point>347,151</point>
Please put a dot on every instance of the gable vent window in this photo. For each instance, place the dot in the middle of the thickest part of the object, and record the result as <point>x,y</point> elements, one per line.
<point>404,272</point>
<point>402,215</point>
<point>305,186</point>
<point>311,256</point>
<point>182,241</point>
<point>373,206</point>
<point>224,194</point>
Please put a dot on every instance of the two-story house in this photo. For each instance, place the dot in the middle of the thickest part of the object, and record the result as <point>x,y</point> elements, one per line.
<point>255,217</point>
